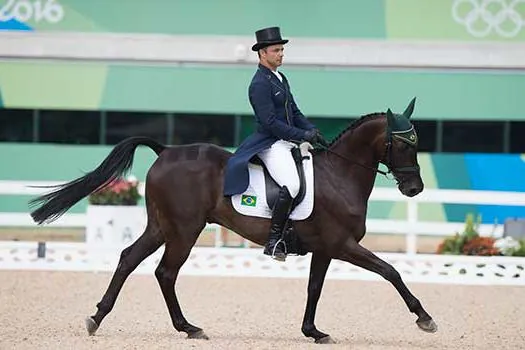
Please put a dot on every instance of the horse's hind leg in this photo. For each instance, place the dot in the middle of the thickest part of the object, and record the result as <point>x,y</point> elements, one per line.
<point>362,257</point>
<point>130,258</point>
<point>176,253</point>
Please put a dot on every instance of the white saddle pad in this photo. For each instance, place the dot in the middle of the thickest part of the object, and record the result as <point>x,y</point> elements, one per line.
<point>253,201</point>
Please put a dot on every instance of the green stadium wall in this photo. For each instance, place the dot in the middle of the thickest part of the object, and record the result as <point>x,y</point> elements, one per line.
<point>334,92</point>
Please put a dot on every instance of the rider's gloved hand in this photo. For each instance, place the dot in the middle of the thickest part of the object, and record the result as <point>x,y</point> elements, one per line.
<point>314,136</point>
<point>311,136</point>
<point>321,139</point>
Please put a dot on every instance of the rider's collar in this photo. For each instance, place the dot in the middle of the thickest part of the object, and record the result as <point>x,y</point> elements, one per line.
<point>265,69</point>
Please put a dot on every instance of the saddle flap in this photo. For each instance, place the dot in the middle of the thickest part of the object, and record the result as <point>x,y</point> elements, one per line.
<point>253,201</point>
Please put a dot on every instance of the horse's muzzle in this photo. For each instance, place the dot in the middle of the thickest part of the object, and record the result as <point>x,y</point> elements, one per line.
<point>411,187</point>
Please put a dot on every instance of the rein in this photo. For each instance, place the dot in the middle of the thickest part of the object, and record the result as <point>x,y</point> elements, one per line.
<point>387,156</point>
<point>353,161</point>
<point>406,136</point>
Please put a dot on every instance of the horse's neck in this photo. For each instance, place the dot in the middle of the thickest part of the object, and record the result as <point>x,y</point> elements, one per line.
<point>359,146</point>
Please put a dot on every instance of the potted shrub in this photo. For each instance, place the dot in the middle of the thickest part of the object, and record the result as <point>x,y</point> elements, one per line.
<point>114,217</point>
<point>469,242</point>
<point>118,192</point>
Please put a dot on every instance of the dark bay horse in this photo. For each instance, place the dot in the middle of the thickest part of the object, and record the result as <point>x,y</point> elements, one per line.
<point>184,192</point>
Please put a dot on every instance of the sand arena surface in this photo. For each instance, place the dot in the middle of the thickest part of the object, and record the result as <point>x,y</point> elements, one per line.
<point>46,310</point>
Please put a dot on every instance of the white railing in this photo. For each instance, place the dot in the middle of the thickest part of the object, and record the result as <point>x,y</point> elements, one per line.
<point>173,49</point>
<point>230,262</point>
<point>411,227</point>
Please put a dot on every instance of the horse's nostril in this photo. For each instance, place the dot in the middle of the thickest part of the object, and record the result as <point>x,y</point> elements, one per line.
<point>413,191</point>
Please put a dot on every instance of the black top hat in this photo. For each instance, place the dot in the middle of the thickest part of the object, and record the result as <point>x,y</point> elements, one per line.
<point>268,36</point>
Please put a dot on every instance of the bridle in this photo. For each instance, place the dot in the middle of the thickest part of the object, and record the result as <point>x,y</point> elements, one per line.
<point>408,137</point>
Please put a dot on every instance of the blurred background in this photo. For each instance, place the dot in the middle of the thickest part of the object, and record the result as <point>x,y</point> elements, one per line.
<point>78,76</point>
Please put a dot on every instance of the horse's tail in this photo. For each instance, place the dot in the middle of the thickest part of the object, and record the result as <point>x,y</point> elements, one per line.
<point>117,163</point>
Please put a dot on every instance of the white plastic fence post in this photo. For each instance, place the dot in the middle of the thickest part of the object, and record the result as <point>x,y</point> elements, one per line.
<point>411,238</point>
<point>218,238</point>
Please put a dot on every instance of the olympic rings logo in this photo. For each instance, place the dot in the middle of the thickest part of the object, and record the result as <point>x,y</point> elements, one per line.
<point>480,21</point>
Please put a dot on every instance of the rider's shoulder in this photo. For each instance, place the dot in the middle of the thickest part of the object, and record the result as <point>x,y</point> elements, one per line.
<point>259,80</point>
<point>261,76</point>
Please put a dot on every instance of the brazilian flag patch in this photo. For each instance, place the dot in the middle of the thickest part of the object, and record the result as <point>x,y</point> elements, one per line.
<point>249,201</point>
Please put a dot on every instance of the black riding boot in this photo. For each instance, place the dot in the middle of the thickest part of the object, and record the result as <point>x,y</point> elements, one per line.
<point>280,213</point>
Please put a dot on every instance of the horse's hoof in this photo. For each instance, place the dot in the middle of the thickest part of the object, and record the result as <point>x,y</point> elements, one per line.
<point>428,326</point>
<point>325,340</point>
<point>198,335</point>
<point>91,326</point>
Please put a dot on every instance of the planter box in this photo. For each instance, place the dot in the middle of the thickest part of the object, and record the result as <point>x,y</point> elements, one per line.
<point>114,226</point>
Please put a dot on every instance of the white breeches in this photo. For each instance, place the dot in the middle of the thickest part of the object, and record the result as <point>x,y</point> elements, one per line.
<point>281,166</point>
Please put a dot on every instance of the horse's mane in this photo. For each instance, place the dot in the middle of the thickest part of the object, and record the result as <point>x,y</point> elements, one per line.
<point>356,123</point>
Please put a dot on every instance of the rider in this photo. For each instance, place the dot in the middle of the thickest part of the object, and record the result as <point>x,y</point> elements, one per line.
<point>279,121</point>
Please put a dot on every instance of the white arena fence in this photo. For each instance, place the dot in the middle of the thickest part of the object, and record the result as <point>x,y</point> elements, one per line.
<point>411,227</point>
<point>239,262</point>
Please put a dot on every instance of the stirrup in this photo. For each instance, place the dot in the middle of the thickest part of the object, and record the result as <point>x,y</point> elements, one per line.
<point>280,257</point>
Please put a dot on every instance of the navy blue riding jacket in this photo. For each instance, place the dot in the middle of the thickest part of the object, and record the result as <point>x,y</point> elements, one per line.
<point>277,117</point>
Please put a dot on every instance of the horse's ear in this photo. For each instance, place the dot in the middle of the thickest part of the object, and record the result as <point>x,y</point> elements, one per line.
<point>410,109</point>
<point>390,118</point>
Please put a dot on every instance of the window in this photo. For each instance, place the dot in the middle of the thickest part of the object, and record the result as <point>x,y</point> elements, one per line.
<point>216,129</point>
<point>88,127</point>
<point>73,127</point>
<point>121,125</point>
<point>481,137</point>
<point>248,126</point>
<point>331,127</point>
<point>16,125</point>
<point>517,137</point>
<point>426,132</point>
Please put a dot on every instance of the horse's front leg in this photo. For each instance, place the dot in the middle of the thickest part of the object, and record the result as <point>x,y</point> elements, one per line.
<point>362,257</point>
<point>318,267</point>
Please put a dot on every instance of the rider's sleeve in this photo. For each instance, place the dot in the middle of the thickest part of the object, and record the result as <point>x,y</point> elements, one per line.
<point>260,95</point>
<point>299,118</point>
